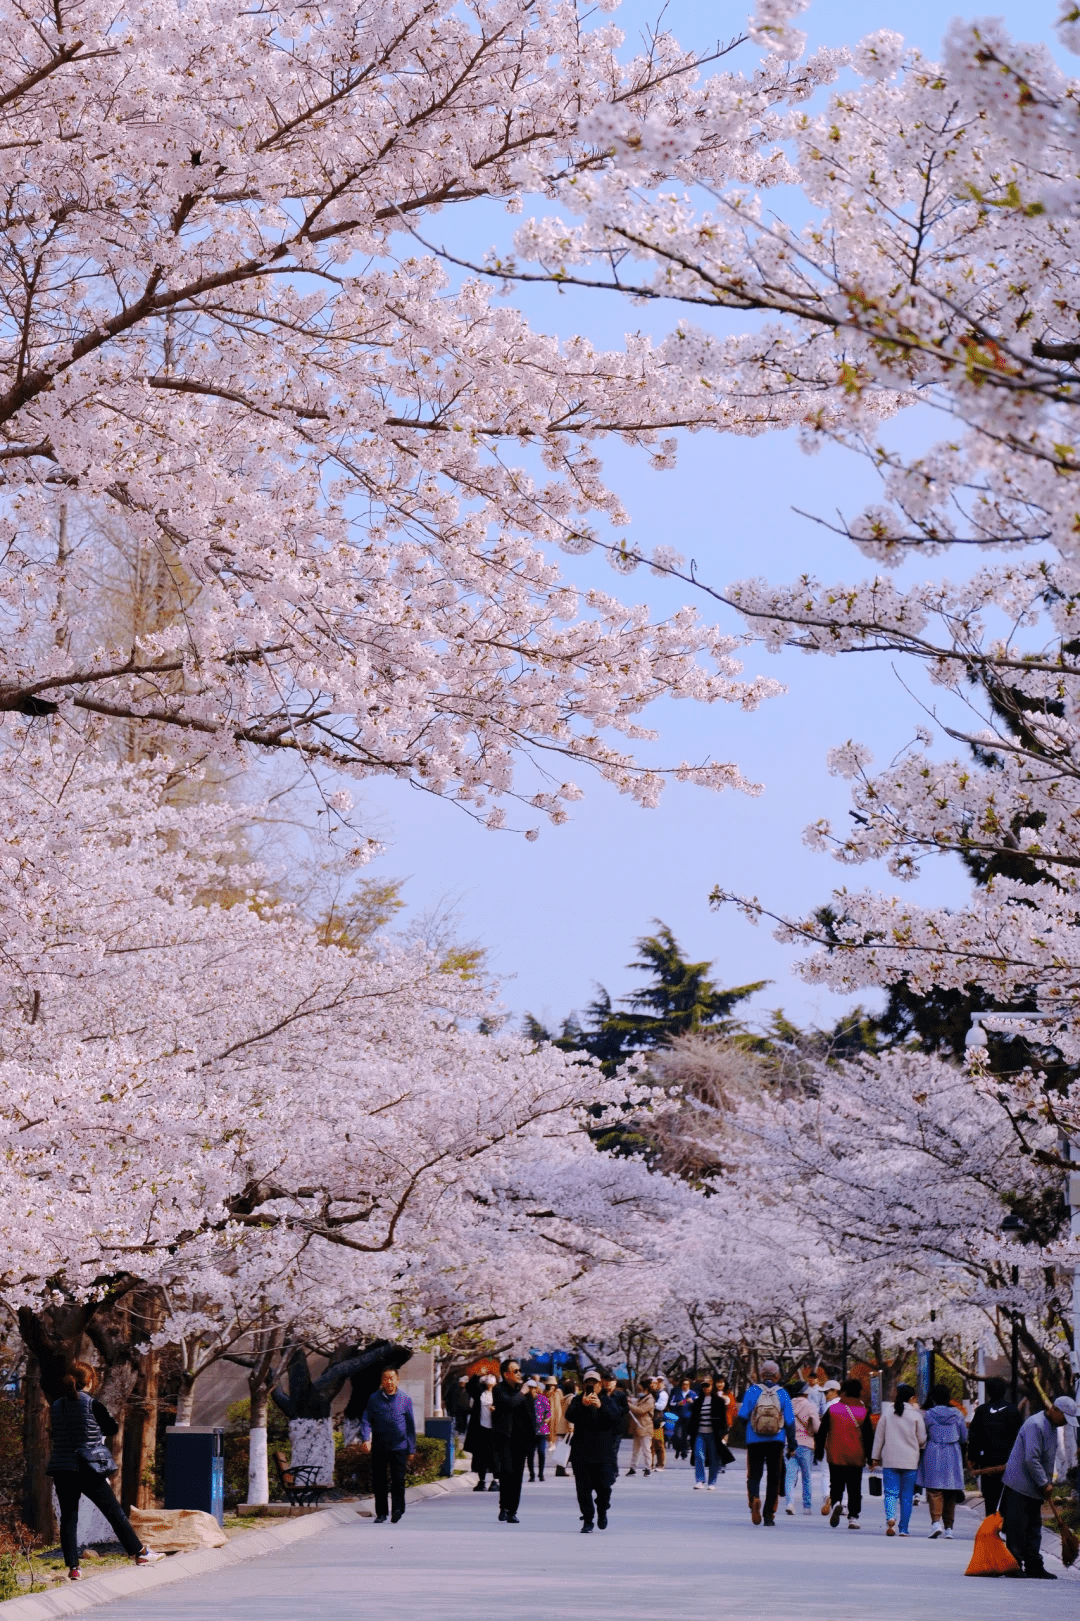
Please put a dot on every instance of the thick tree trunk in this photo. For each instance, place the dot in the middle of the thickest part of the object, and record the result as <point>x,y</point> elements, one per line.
<point>37,1508</point>
<point>258,1488</point>
<point>313,1442</point>
<point>185,1400</point>
<point>140,1430</point>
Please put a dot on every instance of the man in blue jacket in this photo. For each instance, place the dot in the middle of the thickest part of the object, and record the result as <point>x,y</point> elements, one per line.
<point>388,1432</point>
<point>770,1420</point>
<point>1029,1480</point>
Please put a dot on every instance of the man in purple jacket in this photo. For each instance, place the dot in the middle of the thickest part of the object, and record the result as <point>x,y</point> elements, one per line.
<point>388,1432</point>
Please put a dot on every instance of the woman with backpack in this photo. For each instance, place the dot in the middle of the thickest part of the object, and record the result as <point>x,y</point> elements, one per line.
<point>941,1471</point>
<point>80,1465</point>
<point>845,1438</point>
<point>770,1433</point>
<point>898,1442</point>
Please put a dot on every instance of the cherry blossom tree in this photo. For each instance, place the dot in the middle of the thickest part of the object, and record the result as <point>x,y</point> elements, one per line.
<point>928,262</point>
<point>348,477</point>
<point>203,1096</point>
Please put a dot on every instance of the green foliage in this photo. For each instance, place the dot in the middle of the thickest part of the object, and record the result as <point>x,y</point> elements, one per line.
<point>9,1577</point>
<point>678,1000</point>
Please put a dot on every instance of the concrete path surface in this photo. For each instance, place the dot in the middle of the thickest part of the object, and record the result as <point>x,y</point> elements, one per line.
<point>670,1552</point>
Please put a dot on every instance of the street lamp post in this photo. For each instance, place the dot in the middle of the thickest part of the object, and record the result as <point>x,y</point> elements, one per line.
<point>1013,1225</point>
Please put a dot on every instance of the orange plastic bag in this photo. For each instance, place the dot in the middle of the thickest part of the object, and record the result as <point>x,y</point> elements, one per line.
<point>991,1557</point>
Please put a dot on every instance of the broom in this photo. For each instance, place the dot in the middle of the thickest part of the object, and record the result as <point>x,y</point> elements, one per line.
<point>1070,1542</point>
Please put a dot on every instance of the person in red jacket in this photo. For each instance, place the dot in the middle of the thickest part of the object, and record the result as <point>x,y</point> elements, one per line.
<point>845,1438</point>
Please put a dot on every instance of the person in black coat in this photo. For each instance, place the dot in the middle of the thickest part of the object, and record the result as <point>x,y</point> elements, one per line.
<point>994,1427</point>
<point>514,1423</point>
<point>480,1438</point>
<point>620,1404</point>
<point>80,1465</point>
<point>595,1420</point>
<point>712,1456</point>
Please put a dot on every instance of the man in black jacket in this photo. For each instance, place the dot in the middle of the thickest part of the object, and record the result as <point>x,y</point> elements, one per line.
<point>595,1419</point>
<point>619,1403</point>
<point>513,1420</point>
<point>994,1427</point>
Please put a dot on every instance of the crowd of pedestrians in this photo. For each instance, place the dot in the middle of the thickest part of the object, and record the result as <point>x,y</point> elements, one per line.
<point>910,1450</point>
<point>511,1422</point>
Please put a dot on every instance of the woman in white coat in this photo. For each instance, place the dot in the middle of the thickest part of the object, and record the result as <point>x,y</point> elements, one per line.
<point>898,1442</point>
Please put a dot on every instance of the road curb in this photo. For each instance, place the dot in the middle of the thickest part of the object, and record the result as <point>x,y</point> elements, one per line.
<point>73,1597</point>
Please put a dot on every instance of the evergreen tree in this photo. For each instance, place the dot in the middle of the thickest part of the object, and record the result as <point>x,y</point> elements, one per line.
<point>679,999</point>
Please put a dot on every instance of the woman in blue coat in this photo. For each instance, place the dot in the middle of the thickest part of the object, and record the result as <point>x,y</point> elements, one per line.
<point>941,1472</point>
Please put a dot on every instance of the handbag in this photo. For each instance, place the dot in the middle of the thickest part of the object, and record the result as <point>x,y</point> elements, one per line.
<point>96,1455</point>
<point>874,1486</point>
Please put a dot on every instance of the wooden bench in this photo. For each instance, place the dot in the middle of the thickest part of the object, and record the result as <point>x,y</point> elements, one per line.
<point>300,1482</point>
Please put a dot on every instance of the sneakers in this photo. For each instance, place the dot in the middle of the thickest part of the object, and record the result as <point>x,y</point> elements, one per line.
<point>480,1488</point>
<point>1041,1575</point>
<point>826,1506</point>
<point>903,1533</point>
<point>788,1508</point>
<point>834,1517</point>
<point>149,1556</point>
<point>948,1533</point>
<point>601,1520</point>
<point>75,1574</point>
<point>380,1519</point>
<point>502,1515</point>
<point>853,1525</point>
<point>586,1527</point>
<point>890,1528</point>
<point>699,1485</point>
<point>494,1486</point>
<point>755,1510</point>
<point>936,1529</point>
<point>712,1488</point>
<point>396,1515</point>
<point>808,1509</point>
<point>646,1473</point>
<point>631,1471</point>
<point>512,1519</point>
<point>560,1471</point>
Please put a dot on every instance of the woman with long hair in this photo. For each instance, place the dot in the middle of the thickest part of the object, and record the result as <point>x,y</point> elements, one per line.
<point>898,1442</point>
<point>80,1465</point>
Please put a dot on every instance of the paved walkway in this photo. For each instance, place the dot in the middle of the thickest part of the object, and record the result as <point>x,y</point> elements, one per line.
<point>669,1551</point>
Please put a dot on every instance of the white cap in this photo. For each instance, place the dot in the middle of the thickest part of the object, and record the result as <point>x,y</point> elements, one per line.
<point>1067,1408</point>
<point>590,1373</point>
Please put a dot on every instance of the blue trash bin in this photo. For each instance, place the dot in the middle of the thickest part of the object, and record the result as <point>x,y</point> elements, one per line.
<point>195,1469</point>
<point>442,1429</point>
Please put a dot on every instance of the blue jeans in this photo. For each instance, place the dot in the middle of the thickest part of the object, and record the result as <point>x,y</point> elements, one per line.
<point>800,1464</point>
<point>899,1487</point>
<point>705,1453</point>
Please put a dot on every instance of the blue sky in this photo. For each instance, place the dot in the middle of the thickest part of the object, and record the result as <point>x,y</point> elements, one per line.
<point>560,915</point>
